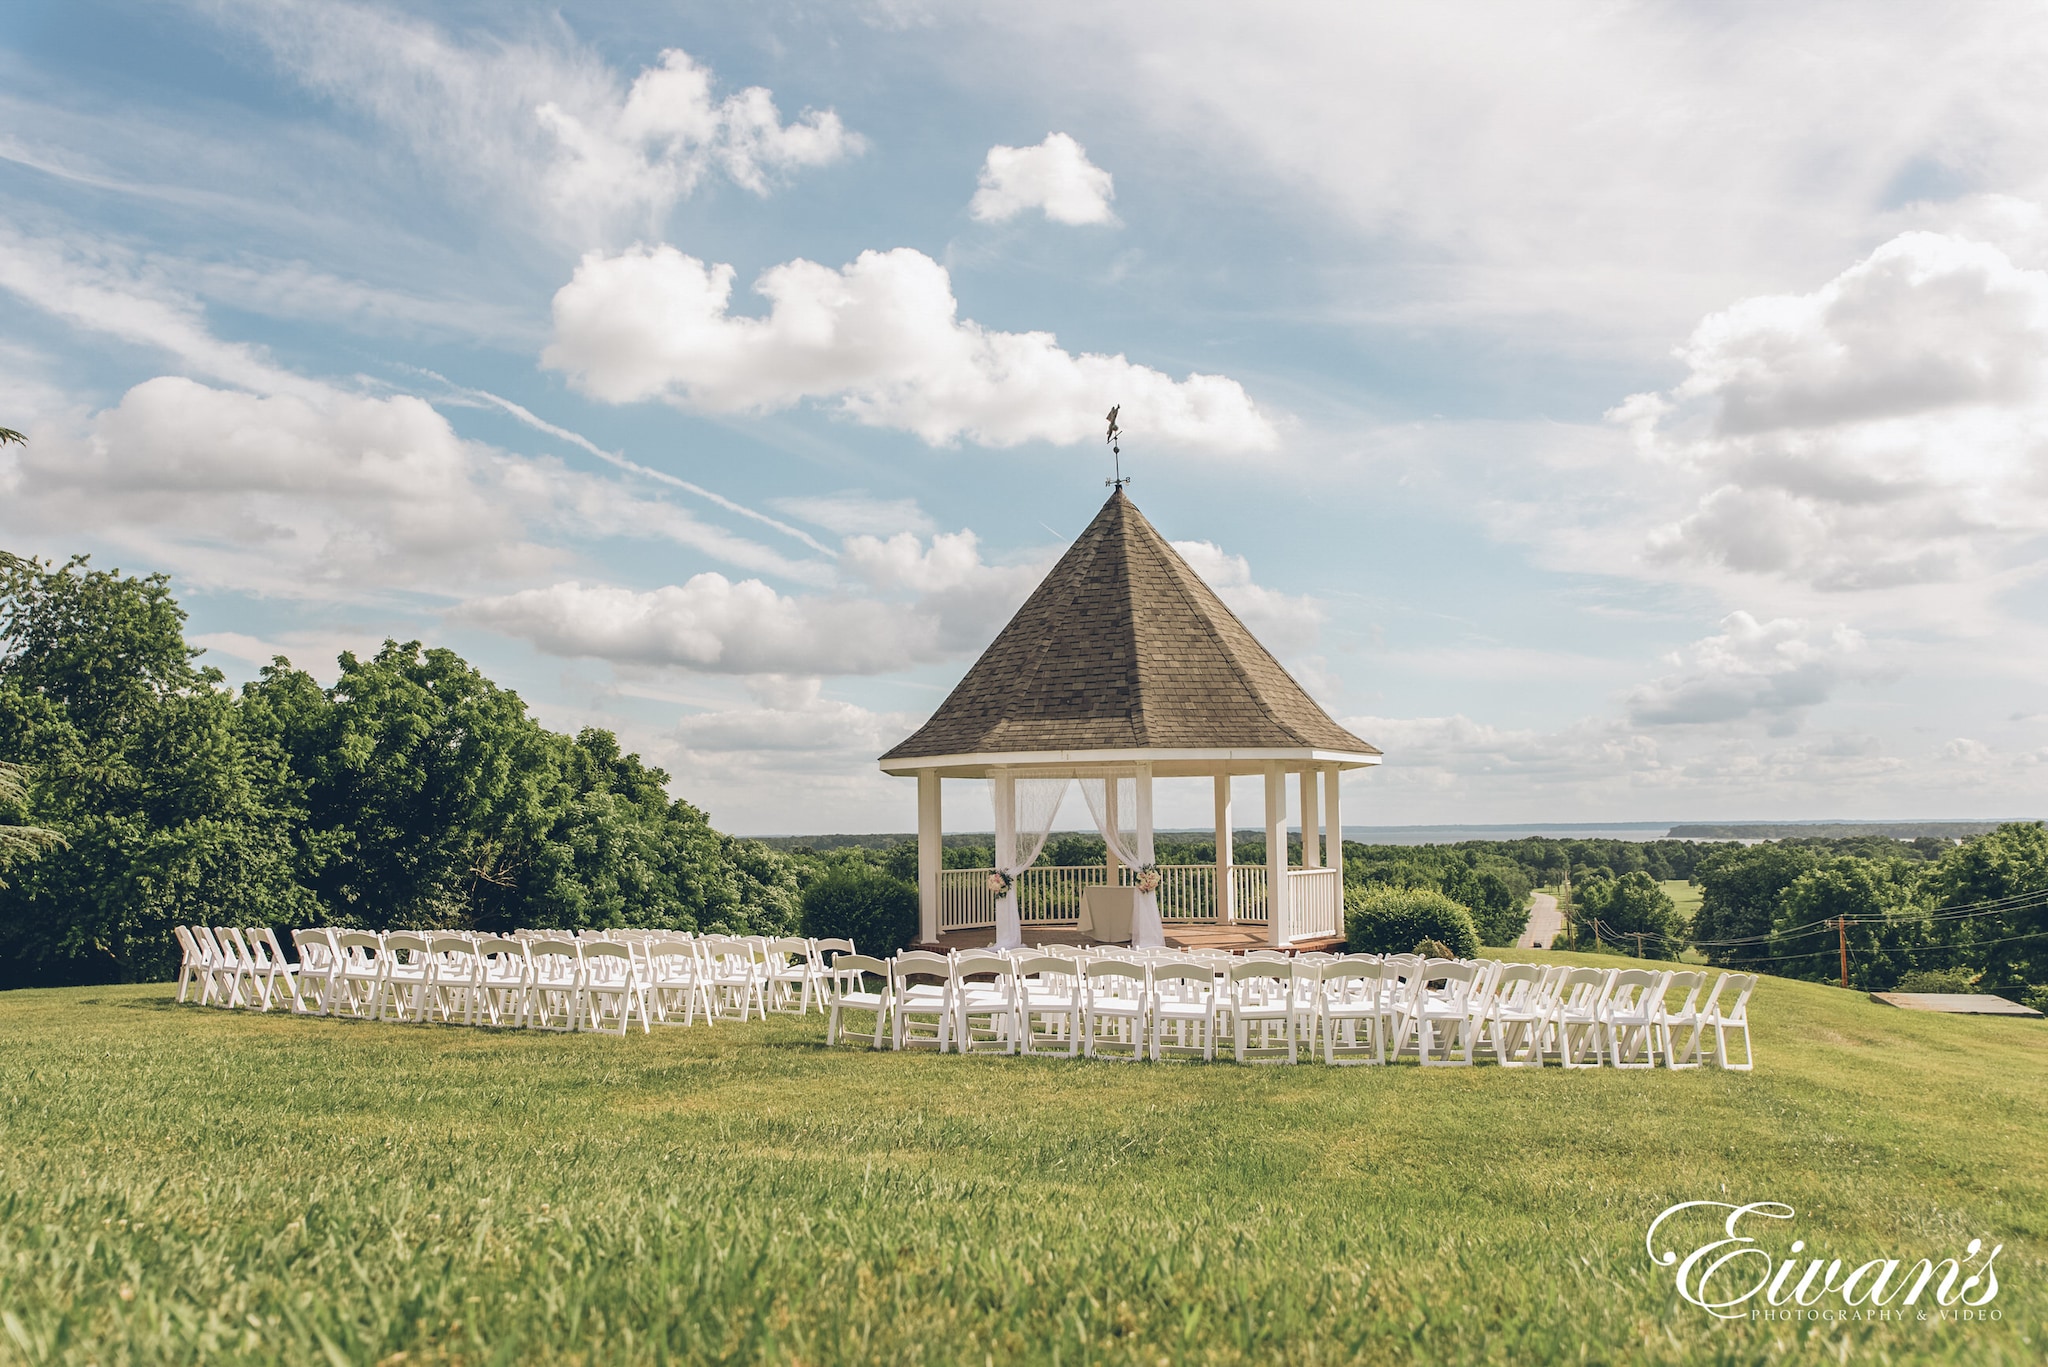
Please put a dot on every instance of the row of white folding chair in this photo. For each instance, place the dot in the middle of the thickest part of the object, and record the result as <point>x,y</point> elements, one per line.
<point>544,983</point>
<point>232,966</point>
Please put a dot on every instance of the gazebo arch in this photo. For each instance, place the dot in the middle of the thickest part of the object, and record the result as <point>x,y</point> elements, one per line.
<point>1123,662</point>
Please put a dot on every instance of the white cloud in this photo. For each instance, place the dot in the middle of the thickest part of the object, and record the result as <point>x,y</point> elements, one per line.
<point>855,510</point>
<point>1775,670</point>
<point>882,338</point>
<point>651,148</point>
<point>323,493</point>
<point>714,625</point>
<point>1594,171</point>
<point>545,122</point>
<point>1055,176</point>
<point>1883,430</point>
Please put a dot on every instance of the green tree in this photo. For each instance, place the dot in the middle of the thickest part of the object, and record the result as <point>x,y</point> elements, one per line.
<point>1884,930</point>
<point>1739,891</point>
<point>138,760</point>
<point>1632,913</point>
<point>2008,866</point>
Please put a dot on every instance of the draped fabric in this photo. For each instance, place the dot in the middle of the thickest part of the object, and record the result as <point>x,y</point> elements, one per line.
<point>1113,801</point>
<point>1025,811</point>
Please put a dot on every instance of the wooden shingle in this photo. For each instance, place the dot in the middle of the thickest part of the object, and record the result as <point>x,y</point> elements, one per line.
<point>1121,647</point>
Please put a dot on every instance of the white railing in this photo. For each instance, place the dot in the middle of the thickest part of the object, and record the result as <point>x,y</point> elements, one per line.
<point>1315,905</point>
<point>1051,895</point>
<point>1248,882</point>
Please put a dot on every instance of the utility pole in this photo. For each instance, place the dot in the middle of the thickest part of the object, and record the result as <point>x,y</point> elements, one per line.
<point>1639,944</point>
<point>1842,938</point>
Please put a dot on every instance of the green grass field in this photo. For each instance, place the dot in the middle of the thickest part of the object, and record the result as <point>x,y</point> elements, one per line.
<point>187,1185</point>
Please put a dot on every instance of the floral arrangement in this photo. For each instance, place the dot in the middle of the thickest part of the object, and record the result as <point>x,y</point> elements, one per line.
<point>1148,878</point>
<point>999,883</point>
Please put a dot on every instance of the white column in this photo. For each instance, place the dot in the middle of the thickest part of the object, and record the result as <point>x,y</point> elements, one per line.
<point>1225,910</point>
<point>1115,822</point>
<point>1335,826</point>
<point>1276,854</point>
<point>1311,824</point>
<point>1144,813</point>
<point>931,855</point>
<point>1003,788</point>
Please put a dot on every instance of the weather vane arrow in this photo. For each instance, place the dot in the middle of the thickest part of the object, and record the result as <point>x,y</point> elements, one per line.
<point>1116,450</point>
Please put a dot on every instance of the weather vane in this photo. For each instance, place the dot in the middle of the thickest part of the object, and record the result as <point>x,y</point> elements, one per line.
<point>1116,451</point>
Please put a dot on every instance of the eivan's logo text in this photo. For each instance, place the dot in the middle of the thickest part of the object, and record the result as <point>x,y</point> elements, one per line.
<point>1734,1277</point>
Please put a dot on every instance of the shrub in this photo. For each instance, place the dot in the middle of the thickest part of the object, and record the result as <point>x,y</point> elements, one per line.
<point>2036,997</point>
<point>860,903</point>
<point>1433,949</point>
<point>1938,980</point>
<point>1395,920</point>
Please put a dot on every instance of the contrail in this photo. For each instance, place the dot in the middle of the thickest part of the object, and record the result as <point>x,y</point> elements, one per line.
<point>541,424</point>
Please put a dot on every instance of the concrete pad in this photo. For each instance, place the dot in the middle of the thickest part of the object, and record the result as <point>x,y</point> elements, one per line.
<point>1954,1003</point>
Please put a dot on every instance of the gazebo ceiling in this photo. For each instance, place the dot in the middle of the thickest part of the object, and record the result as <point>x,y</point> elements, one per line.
<point>1123,654</point>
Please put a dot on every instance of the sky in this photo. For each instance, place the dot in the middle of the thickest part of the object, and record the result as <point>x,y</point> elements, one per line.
<point>1614,412</point>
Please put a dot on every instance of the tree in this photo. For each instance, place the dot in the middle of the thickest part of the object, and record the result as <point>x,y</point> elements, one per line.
<point>1386,920</point>
<point>1632,912</point>
<point>2009,866</point>
<point>136,758</point>
<point>20,841</point>
<point>1739,891</point>
<point>1883,931</point>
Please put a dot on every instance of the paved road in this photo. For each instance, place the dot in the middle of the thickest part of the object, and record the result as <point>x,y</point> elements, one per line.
<point>1545,922</point>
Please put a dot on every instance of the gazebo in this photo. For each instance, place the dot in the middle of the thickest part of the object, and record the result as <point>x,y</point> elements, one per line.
<point>1123,667</point>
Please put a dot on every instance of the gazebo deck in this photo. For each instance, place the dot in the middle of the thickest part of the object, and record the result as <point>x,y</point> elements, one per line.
<point>1236,939</point>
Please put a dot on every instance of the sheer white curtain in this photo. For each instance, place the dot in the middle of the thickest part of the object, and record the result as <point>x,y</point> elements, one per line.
<point>1124,816</point>
<point>1025,811</point>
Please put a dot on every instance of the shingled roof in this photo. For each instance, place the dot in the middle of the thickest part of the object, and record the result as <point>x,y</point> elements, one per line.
<point>1123,647</point>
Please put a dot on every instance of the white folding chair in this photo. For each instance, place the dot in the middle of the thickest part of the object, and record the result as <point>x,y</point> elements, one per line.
<point>921,1004</point>
<point>1443,1019</point>
<point>1687,1019</point>
<point>1575,1023</point>
<point>504,980</point>
<point>1630,1016</point>
<point>554,995</point>
<point>847,991</point>
<point>678,982</point>
<point>454,985</point>
<point>402,990</point>
<point>266,964</point>
<point>1262,997</point>
<point>1114,998</point>
<point>191,965</point>
<point>735,977</point>
<point>1724,1020</point>
<point>1185,1008</point>
<point>984,992</point>
<point>1049,1004</point>
<point>613,994</point>
<point>1516,1014</point>
<point>355,985</point>
<point>786,975</point>
<point>1346,1002</point>
<point>229,965</point>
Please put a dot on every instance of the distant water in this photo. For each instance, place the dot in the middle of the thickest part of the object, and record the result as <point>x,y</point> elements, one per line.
<point>1451,835</point>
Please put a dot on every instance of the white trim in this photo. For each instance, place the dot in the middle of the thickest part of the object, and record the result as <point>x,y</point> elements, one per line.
<point>1186,763</point>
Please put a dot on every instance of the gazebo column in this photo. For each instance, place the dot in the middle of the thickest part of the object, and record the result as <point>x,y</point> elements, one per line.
<point>1311,824</point>
<point>1226,911</point>
<point>1334,829</point>
<point>1115,819</point>
<point>931,855</point>
<point>1276,855</point>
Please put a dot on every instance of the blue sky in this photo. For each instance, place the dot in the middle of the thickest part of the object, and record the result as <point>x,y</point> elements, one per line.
<point>1614,412</point>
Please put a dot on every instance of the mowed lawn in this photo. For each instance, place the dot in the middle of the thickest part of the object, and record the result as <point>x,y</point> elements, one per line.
<point>185,1185</point>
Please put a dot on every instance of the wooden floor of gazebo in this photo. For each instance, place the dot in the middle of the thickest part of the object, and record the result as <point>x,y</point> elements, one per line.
<point>1236,939</point>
